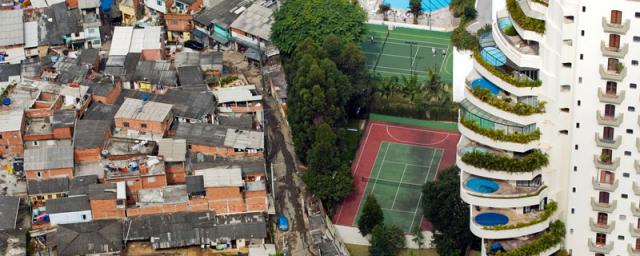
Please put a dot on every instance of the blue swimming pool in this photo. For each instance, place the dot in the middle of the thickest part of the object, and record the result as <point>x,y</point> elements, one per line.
<point>428,5</point>
<point>482,185</point>
<point>491,219</point>
<point>484,83</point>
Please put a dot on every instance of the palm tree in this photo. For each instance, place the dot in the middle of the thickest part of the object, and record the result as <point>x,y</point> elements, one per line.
<point>384,8</point>
<point>435,89</point>
<point>418,237</point>
<point>411,87</point>
<point>415,8</point>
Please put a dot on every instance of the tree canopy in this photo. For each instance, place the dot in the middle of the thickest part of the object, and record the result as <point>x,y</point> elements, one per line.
<point>386,240</point>
<point>371,215</point>
<point>297,20</point>
<point>441,204</point>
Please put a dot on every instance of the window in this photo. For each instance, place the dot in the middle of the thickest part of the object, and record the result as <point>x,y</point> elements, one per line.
<point>125,124</point>
<point>616,17</point>
<point>174,22</point>
<point>606,155</point>
<point>612,64</point>
<point>625,196</point>
<point>603,197</point>
<point>573,210</point>
<point>577,125</point>
<point>609,110</point>
<point>584,9</point>
<point>620,237</point>
<point>582,32</point>
<point>84,217</point>
<point>601,239</point>
<point>573,189</point>
<point>606,177</point>
<point>637,244</point>
<point>49,196</point>
<point>607,133</point>
<point>581,56</point>
<point>627,153</point>
<point>634,62</point>
<point>638,223</point>
<point>631,109</point>
<point>143,125</point>
<point>633,86</point>
<point>637,14</point>
<point>614,41</point>
<point>39,174</point>
<point>578,103</point>
<point>625,174</point>
<point>602,218</point>
<point>159,2</point>
<point>636,38</point>
<point>630,131</point>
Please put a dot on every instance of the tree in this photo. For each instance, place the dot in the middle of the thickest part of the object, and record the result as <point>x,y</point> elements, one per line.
<point>384,9</point>
<point>386,240</point>
<point>330,188</point>
<point>323,155</point>
<point>442,206</point>
<point>415,8</point>
<point>418,237</point>
<point>371,215</point>
<point>297,20</point>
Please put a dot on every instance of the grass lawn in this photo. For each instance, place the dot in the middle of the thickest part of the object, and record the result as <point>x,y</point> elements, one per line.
<point>361,250</point>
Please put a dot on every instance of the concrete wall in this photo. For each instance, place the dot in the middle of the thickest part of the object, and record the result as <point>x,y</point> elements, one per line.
<point>222,151</point>
<point>70,217</point>
<point>176,173</point>
<point>51,173</point>
<point>152,127</point>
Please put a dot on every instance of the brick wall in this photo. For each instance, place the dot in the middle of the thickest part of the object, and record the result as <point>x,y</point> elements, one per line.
<point>11,142</point>
<point>175,173</point>
<point>50,173</point>
<point>87,155</point>
<point>152,127</point>
<point>220,151</point>
<point>63,133</point>
<point>106,209</point>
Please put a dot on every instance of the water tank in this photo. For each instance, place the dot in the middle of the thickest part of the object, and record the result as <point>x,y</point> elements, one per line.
<point>6,101</point>
<point>145,97</point>
<point>104,153</point>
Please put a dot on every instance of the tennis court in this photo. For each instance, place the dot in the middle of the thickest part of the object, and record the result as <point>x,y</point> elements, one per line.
<point>396,181</point>
<point>399,51</point>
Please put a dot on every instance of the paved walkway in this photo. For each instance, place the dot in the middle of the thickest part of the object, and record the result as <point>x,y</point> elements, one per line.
<point>441,20</point>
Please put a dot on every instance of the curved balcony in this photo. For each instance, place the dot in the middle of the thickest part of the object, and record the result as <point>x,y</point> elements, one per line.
<point>608,143</point>
<point>543,244</point>
<point>611,98</point>
<point>516,49</point>
<point>494,174</point>
<point>607,165</point>
<point>514,218</point>
<point>632,251</point>
<point>532,11</point>
<point>604,186</point>
<point>634,230</point>
<point>495,111</point>
<point>601,228</point>
<point>608,120</point>
<point>615,75</point>
<point>503,84</point>
<point>531,29</point>
<point>507,196</point>
<point>510,146</point>
<point>604,207</point>
<point>635,210</point>
<point>614,52</point>
<point>600,248</point>
<point>615,28</point>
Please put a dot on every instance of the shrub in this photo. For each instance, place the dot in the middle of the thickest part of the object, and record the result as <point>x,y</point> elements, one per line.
<point>523,20</point>
<point>497,162</point>
<point>462,39</point>
<point>550,238</point>
<point>513,80</point>
<point>510,31</point>
<point>520,138</point>
<point>517,108</point>
<point>470,13</point>
<point>228,79</point>
<point>546,214</point>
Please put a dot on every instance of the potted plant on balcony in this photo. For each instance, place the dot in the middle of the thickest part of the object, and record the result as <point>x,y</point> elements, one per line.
<point>619,67</point>
<point>605,158</point>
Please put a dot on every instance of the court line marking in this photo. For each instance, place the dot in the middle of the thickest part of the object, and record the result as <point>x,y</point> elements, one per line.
<point>409,142</point>
<point>392,55</point>
<point>444,39</point>
<point>394,210</point>
<point>446,61</point>
<point>396,162</point>
<point>374,184</point>
<point>425,181</point>
<point>416,129</point>
<point>413,61</point>
<point>398,188</point>
<point>402,43</point>
<point>401,69</point>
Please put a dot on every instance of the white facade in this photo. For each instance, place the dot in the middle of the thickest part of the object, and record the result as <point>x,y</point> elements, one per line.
<point>70,217</point>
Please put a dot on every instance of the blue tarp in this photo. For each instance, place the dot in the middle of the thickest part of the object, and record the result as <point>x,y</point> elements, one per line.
<point>105,5</point>
<point>493,56</point>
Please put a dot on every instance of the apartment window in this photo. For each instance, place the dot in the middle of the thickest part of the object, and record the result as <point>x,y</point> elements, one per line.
<point>633,86</point>
<point>143,125</point>
<point>607,133</point>
<point>612,64</point>
<point>614,41</point>
<point>39,174</point>
<point>606,155</point>
<point>637,14</point>
<point>636,38</point>
<point>159,2</point>
<point>625,174</point>
<point>622,217</point>
<point>578,103</point>
<point>630,131</point>
<point>575,168</point>
<point>609,110</point>
<point>564,132</point>
<point>584,9</point>
<point>601,239</point>
<point>631,109</point>
<point>573,189</point>
<point>616,17</point>
<point>579,80</point>
<point>634,62</point>
<point>620,237</point>
<point>638,223</point>
<point>627,153</point>
<point>624,196</point>
<point>612,88</point>
<point>602,218</point>
<point>637,244</point>
<point>606,177</point>
<point>582,32</point>
<point>125,124</point>
<point>575,147</point>
<point>0,136</point>
<point>603,197</point>
<point>581,56</point>
<point>577,125</point>
<point>573,210</point>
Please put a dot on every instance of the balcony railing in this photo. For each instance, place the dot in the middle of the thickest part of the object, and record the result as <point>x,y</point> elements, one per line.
<point>614,52</point>
<point>636,188</point>
<point>632,251</point>
<point>615,28</point>
<point>636,165</point>
<point>608,165</point>
<point>616,75</point>
<point>603,207</point>
<point>611,98</point>
<point>601,228</point>
<point>634,230</point>
<point>604,186</point>
<point>608,143</point>
<point>635,210</point>
<point>600,248</point>
<point>522,20</point>
<point>609,120</point>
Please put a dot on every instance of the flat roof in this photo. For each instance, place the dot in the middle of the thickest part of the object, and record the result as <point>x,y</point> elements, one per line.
<point>244,139</point>
<point>244,93</point>
<point>30,34</point>
<point>173,150</point>
<point>121,40</point>
<point>11,120</point>
<point>221,177</point>
<point>48,157</point>
<point>47,186</point>
<point>8,212</point>
<point>12,29</point>
<point>68,204</point>
<point>166,195</point>
<point>90,133</point>
<point>139,110</point>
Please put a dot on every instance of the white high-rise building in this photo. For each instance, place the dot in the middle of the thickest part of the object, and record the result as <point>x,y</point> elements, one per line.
<point>550,152</point>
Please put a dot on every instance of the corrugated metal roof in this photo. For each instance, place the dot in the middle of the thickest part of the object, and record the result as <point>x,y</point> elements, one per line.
<point>12,29</point>
<point>242,139</point>
<point>121,41</point>
<point>256,20</point>
<point>152,37</point>
<point>48,157</point>
<point>139,110</point>
<point>68,204</point>
<point>221,177</point>
<point>11,120</point>
<point>30,34</point>
<point>173,150</point>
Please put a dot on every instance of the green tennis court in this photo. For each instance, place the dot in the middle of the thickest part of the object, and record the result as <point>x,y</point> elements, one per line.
<point>395,52</point>
<point>396,181</point>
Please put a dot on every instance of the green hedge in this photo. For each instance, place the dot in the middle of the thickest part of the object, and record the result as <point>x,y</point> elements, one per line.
<point>521,138</point>
<point>492,161</point>
<point>550,238</point>
<point>541,2</point>
<point>515,81</point>
<point>523,20</point>
<point>551,208</point>
<point>518,108</point>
